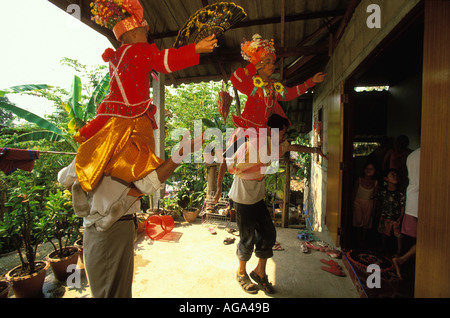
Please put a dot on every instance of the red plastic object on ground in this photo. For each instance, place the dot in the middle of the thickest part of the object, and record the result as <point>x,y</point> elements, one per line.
<point>157,226</point>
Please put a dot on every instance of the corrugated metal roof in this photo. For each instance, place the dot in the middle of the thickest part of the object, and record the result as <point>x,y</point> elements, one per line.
<point>308,24</point>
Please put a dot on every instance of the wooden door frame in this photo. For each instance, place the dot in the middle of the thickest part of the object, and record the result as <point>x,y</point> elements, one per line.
<point>347,165</point>
<point>433,239</point>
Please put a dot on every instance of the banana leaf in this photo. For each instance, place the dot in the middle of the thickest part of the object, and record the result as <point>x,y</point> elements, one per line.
<point>23,88</point>
<point>99,93</point>
<point>75,98</point>
<point>30,117</point>
<point>39,135</point>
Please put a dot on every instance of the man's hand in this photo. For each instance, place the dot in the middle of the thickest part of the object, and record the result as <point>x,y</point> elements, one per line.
<point>206,45</point>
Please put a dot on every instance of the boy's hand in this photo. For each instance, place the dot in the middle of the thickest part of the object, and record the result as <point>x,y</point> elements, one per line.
<point>319,77</point>
<point>206,45</point>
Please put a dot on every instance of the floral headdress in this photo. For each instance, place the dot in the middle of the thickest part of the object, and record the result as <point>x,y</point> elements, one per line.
<point>118,15</point>
<point>256,49</point>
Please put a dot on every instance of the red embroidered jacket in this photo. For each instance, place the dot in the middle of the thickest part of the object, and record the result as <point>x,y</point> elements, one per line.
<point>262,100</point>
<point>130,69</point>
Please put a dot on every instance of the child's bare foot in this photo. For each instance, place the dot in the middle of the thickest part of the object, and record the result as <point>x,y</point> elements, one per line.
<point>397,262</point>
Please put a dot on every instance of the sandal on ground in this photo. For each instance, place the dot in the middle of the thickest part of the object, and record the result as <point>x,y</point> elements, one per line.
<point>211,230</point>
<point>263,282</point>
<point>312,246</point>
<point>334,253</point>
<point>333,270</point>
<point>246,284</point>
<point>229,240</point>
<point>277,247</point>
<point>232,231</point>
<point>304,248</point>
<point>331,263</point>
<point>322,243</point>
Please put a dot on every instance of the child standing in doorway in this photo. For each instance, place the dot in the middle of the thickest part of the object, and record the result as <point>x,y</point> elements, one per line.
<point>364,202</point>
<point>391,208</point>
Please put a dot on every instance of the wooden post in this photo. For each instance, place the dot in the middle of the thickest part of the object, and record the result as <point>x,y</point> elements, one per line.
<point>159,134</point>
<point>211,179</point>
<point>287,190</point>
<point>283,13</point>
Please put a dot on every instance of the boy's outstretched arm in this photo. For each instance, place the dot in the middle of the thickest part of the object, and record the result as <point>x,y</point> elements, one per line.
<point>305,149</point>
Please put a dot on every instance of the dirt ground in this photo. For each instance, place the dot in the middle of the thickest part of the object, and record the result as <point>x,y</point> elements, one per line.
<point>190,262</point>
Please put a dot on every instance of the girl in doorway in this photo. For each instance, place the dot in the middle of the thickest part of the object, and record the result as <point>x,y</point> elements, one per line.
<point>364,195</point>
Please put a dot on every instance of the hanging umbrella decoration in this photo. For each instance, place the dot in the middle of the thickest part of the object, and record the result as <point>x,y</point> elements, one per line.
<point>213,19</point>
<point>224,102</point>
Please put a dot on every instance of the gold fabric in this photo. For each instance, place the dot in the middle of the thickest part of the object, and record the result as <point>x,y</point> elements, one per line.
<point>124,148</point>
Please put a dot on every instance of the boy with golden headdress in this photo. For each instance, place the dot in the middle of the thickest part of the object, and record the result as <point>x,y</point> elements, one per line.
<point>263,93</point>
<point>262,110</point>
<point>119,142</point>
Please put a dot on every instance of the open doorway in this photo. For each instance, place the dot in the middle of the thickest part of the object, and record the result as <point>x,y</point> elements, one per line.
<point>384,102</point>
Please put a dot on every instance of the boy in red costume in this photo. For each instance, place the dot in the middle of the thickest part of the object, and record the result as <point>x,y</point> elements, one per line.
<point>119,142</point>
<point>116,160</point>
<point>263,93</point>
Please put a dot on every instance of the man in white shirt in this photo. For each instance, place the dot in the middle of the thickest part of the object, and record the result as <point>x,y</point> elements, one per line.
<point>409,224</point>
<point>108,241</point>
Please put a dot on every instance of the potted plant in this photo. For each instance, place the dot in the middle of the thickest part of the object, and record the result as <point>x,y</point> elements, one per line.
<point>141,218</point>
<point>25,224</point>
<point>153,210</point>
<point>63,227</point>
<point>171,207</point>
<point>192,189</point>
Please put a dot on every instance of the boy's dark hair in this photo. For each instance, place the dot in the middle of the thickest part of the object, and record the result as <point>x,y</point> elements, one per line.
<point>386,172</point>
<point>277,121</point>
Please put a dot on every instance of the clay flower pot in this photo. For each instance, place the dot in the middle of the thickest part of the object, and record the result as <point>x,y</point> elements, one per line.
<point>79,245</point>
<point>190,215</point>
<point>28,286</point>
<point>5,286</point>
<point>60,265</point>
<point>141,218</point>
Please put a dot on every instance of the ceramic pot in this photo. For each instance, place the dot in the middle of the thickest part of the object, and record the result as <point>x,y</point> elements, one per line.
<point>5,286</point>
<point>141,218</point>
<point>79,245</point>
<point>190,215</point>
<point>28,286</point>
<point>60,265</point>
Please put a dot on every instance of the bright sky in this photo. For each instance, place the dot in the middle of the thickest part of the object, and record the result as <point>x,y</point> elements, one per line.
<point>36,35</point>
